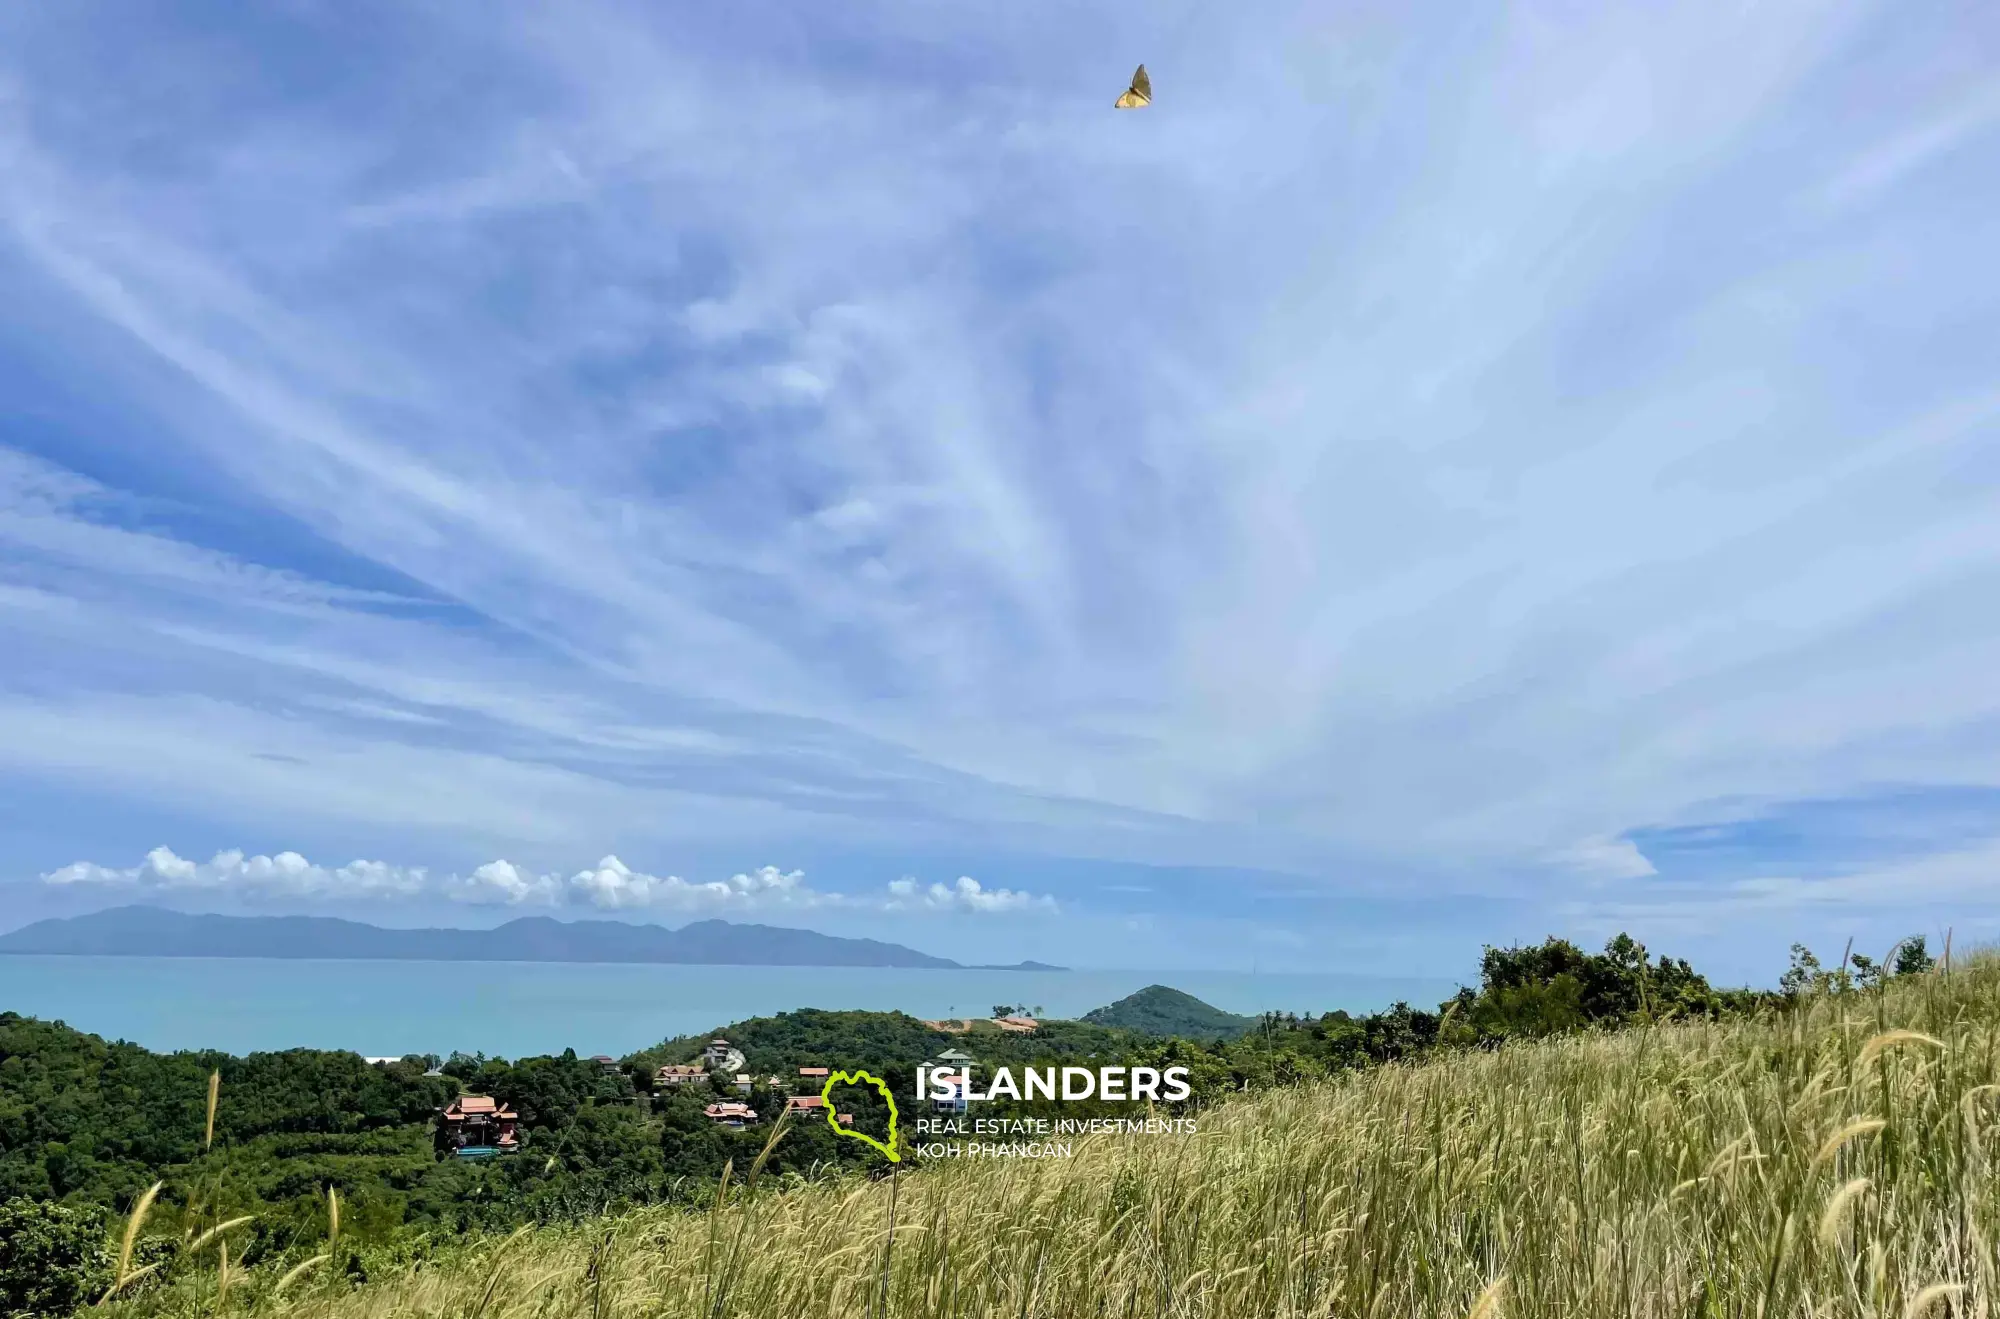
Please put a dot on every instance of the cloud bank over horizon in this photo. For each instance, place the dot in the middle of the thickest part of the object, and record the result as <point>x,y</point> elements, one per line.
<point>610,886</point>
<point>1432,456</point>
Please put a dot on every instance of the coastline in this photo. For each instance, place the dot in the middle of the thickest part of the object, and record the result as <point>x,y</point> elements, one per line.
<point>514,1009</point>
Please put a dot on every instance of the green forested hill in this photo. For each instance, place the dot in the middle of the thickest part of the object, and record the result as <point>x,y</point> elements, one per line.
<point>80,1114</point>
<point>811,1037</point>
<point>92,1122</point>
<point>1546,1179</point>
<point>1159,1010</point>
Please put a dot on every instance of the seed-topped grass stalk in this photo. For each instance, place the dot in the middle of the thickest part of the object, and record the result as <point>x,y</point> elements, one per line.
<point>130,1240</point>
<point>1828,1160</point>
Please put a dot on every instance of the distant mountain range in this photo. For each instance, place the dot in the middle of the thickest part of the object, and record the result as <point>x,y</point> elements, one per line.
<point>155,932</point>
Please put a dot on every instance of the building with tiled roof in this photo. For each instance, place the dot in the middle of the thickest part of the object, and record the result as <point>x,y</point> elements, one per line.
<point>730,1114</point>
<point>676,1074</point>
<point>477,1126</point>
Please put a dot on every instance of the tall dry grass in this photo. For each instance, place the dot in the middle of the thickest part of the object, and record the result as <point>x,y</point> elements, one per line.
<point>1837,1161</point>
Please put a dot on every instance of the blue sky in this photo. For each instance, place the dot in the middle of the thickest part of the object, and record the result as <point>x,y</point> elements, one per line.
<point>1438,476</point>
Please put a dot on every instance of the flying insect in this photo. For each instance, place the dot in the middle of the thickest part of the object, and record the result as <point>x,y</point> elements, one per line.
<point>1140,93</point>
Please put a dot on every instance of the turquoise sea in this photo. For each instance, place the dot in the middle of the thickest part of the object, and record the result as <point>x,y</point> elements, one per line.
<point>511,1009</point>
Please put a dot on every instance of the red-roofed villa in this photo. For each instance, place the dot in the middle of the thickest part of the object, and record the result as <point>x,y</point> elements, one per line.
<point>477,1127</point>
<point>730,1114</point>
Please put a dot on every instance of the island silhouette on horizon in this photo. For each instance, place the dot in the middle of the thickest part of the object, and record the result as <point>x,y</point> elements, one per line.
<point>144,931</point>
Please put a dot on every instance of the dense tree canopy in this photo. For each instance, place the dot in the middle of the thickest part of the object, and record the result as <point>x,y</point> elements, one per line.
<point>89,1123</point>
<point>52,1257</point>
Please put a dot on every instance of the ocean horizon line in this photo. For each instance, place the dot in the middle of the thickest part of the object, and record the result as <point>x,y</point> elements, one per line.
<point>379,1008</point>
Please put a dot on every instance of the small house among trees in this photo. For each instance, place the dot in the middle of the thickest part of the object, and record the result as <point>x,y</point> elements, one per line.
<point>477,1127</point>
<point>678,1074</point>
<point>952,1069</point>
<point>730,1114</point>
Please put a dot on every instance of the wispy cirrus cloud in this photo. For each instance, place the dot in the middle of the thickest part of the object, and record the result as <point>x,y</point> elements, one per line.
<point>610,885</point>
<point>1424,450</point>
<point>1606,858</point>
<point>1935,894</point>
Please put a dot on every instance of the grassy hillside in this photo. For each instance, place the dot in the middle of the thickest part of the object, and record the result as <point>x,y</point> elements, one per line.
<point>1831,1159</point>
<point>90,1123</point>
<point>1160,1010</point>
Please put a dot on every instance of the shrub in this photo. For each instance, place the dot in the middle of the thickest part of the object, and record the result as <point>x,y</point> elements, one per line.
<point>52,1258</point>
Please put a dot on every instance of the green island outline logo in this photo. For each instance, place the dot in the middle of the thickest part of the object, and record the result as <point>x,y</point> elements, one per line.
<point>833,1119</point>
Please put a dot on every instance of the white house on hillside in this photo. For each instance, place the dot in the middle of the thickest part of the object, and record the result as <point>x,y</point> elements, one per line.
<point>950,1068</point>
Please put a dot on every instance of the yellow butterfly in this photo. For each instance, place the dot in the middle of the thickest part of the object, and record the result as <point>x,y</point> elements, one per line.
<point>1138,94</point>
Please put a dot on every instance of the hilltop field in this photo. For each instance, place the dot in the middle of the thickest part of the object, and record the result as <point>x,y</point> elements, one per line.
<point>1825,1153</point>
<point>90,1124</point>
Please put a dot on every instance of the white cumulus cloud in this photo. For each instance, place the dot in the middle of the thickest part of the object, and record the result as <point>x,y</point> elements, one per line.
<point>965,894</point>
<point>287,874</point>
<point>610,885</point>
<point>502,883</point>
